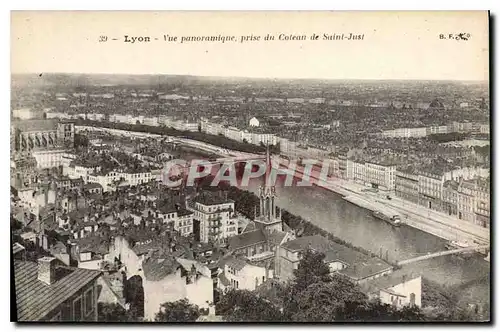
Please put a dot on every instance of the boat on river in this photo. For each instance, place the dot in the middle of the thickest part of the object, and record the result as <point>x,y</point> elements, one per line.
<point>394,220</point>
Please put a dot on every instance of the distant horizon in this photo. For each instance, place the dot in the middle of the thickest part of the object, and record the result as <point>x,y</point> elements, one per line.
<point>253,77</point>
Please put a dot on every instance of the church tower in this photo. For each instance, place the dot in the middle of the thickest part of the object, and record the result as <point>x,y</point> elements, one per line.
<point>268,217</point>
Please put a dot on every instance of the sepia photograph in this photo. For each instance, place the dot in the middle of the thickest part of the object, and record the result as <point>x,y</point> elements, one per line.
<point>232,166</point>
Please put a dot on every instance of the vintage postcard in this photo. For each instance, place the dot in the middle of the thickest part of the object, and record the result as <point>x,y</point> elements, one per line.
<point>250,166</point>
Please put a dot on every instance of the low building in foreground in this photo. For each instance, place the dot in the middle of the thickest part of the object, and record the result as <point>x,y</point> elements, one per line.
<point>340,259</point>
<point>49,291</point>
<point>240,273</point>
<point>398,289</point>
<point>168,280</point>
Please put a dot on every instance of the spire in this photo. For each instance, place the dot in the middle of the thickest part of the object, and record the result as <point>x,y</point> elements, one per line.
<point>267,180</point>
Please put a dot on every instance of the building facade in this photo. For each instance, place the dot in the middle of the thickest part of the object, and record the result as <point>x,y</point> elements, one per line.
<point>241,274</point>
<point>406,185</point>
<point>396,290</point>
<point>482,207</point>
<point>215,216</point>
<point>169,280</point>
<point>23,114</point>
<point>450,197</point>
<point>375,175</point>
<point>466,198</point>
<point>53,158</point>
<point>430,188</point>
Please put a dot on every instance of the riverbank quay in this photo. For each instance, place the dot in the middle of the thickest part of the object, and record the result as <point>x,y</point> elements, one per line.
<point>413,215</point>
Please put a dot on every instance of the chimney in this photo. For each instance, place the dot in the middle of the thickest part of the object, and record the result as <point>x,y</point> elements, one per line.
<point>46,270</point>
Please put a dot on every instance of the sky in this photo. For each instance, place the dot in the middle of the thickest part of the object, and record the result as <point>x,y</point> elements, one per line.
<point>396,45</point>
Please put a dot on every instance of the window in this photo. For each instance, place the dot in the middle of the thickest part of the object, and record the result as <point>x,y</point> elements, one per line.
<point>89,300</point>
<point>412,299</point>
<point>77,309</point>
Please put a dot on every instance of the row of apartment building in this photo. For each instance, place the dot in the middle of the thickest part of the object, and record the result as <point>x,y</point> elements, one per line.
<point>237,134</point>
<point>454,127</point>
<point>376,174</point>
<point>463,193</point>
<point>93,174</point>
<point>154,121</point>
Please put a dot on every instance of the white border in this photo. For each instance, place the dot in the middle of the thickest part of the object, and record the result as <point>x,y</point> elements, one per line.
<point>191,5</point>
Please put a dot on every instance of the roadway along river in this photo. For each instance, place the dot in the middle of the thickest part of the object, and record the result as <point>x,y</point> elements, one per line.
<point>356,225</point>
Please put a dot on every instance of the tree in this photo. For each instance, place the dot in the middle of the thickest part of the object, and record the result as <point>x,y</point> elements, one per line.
<point>311,269</point>
<point>246,306</point>
<point>325,300</point>
<point>274,292</point>
<point>375,311</point>
<point>179,311</point>
<point>112,312</point>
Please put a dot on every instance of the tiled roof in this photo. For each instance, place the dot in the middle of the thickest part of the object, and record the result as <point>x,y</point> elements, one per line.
<point>344,254</point>
<point>316,242</point>
<point>36,299</point>
<point>156,269</point>
<point>58,248</point>
<point>210,198</point>
<point>333,251</point>
<point>144,248</point>
<point>365,268</point>
<point>235,263</point>
<point>187,265</point>
<point>16,247</point>
<point>93,244</point>
<point>387,281</point>
<point>275,237</point>
<point>247,239</point>
<point>184,212</point>
<point>91,185</point>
